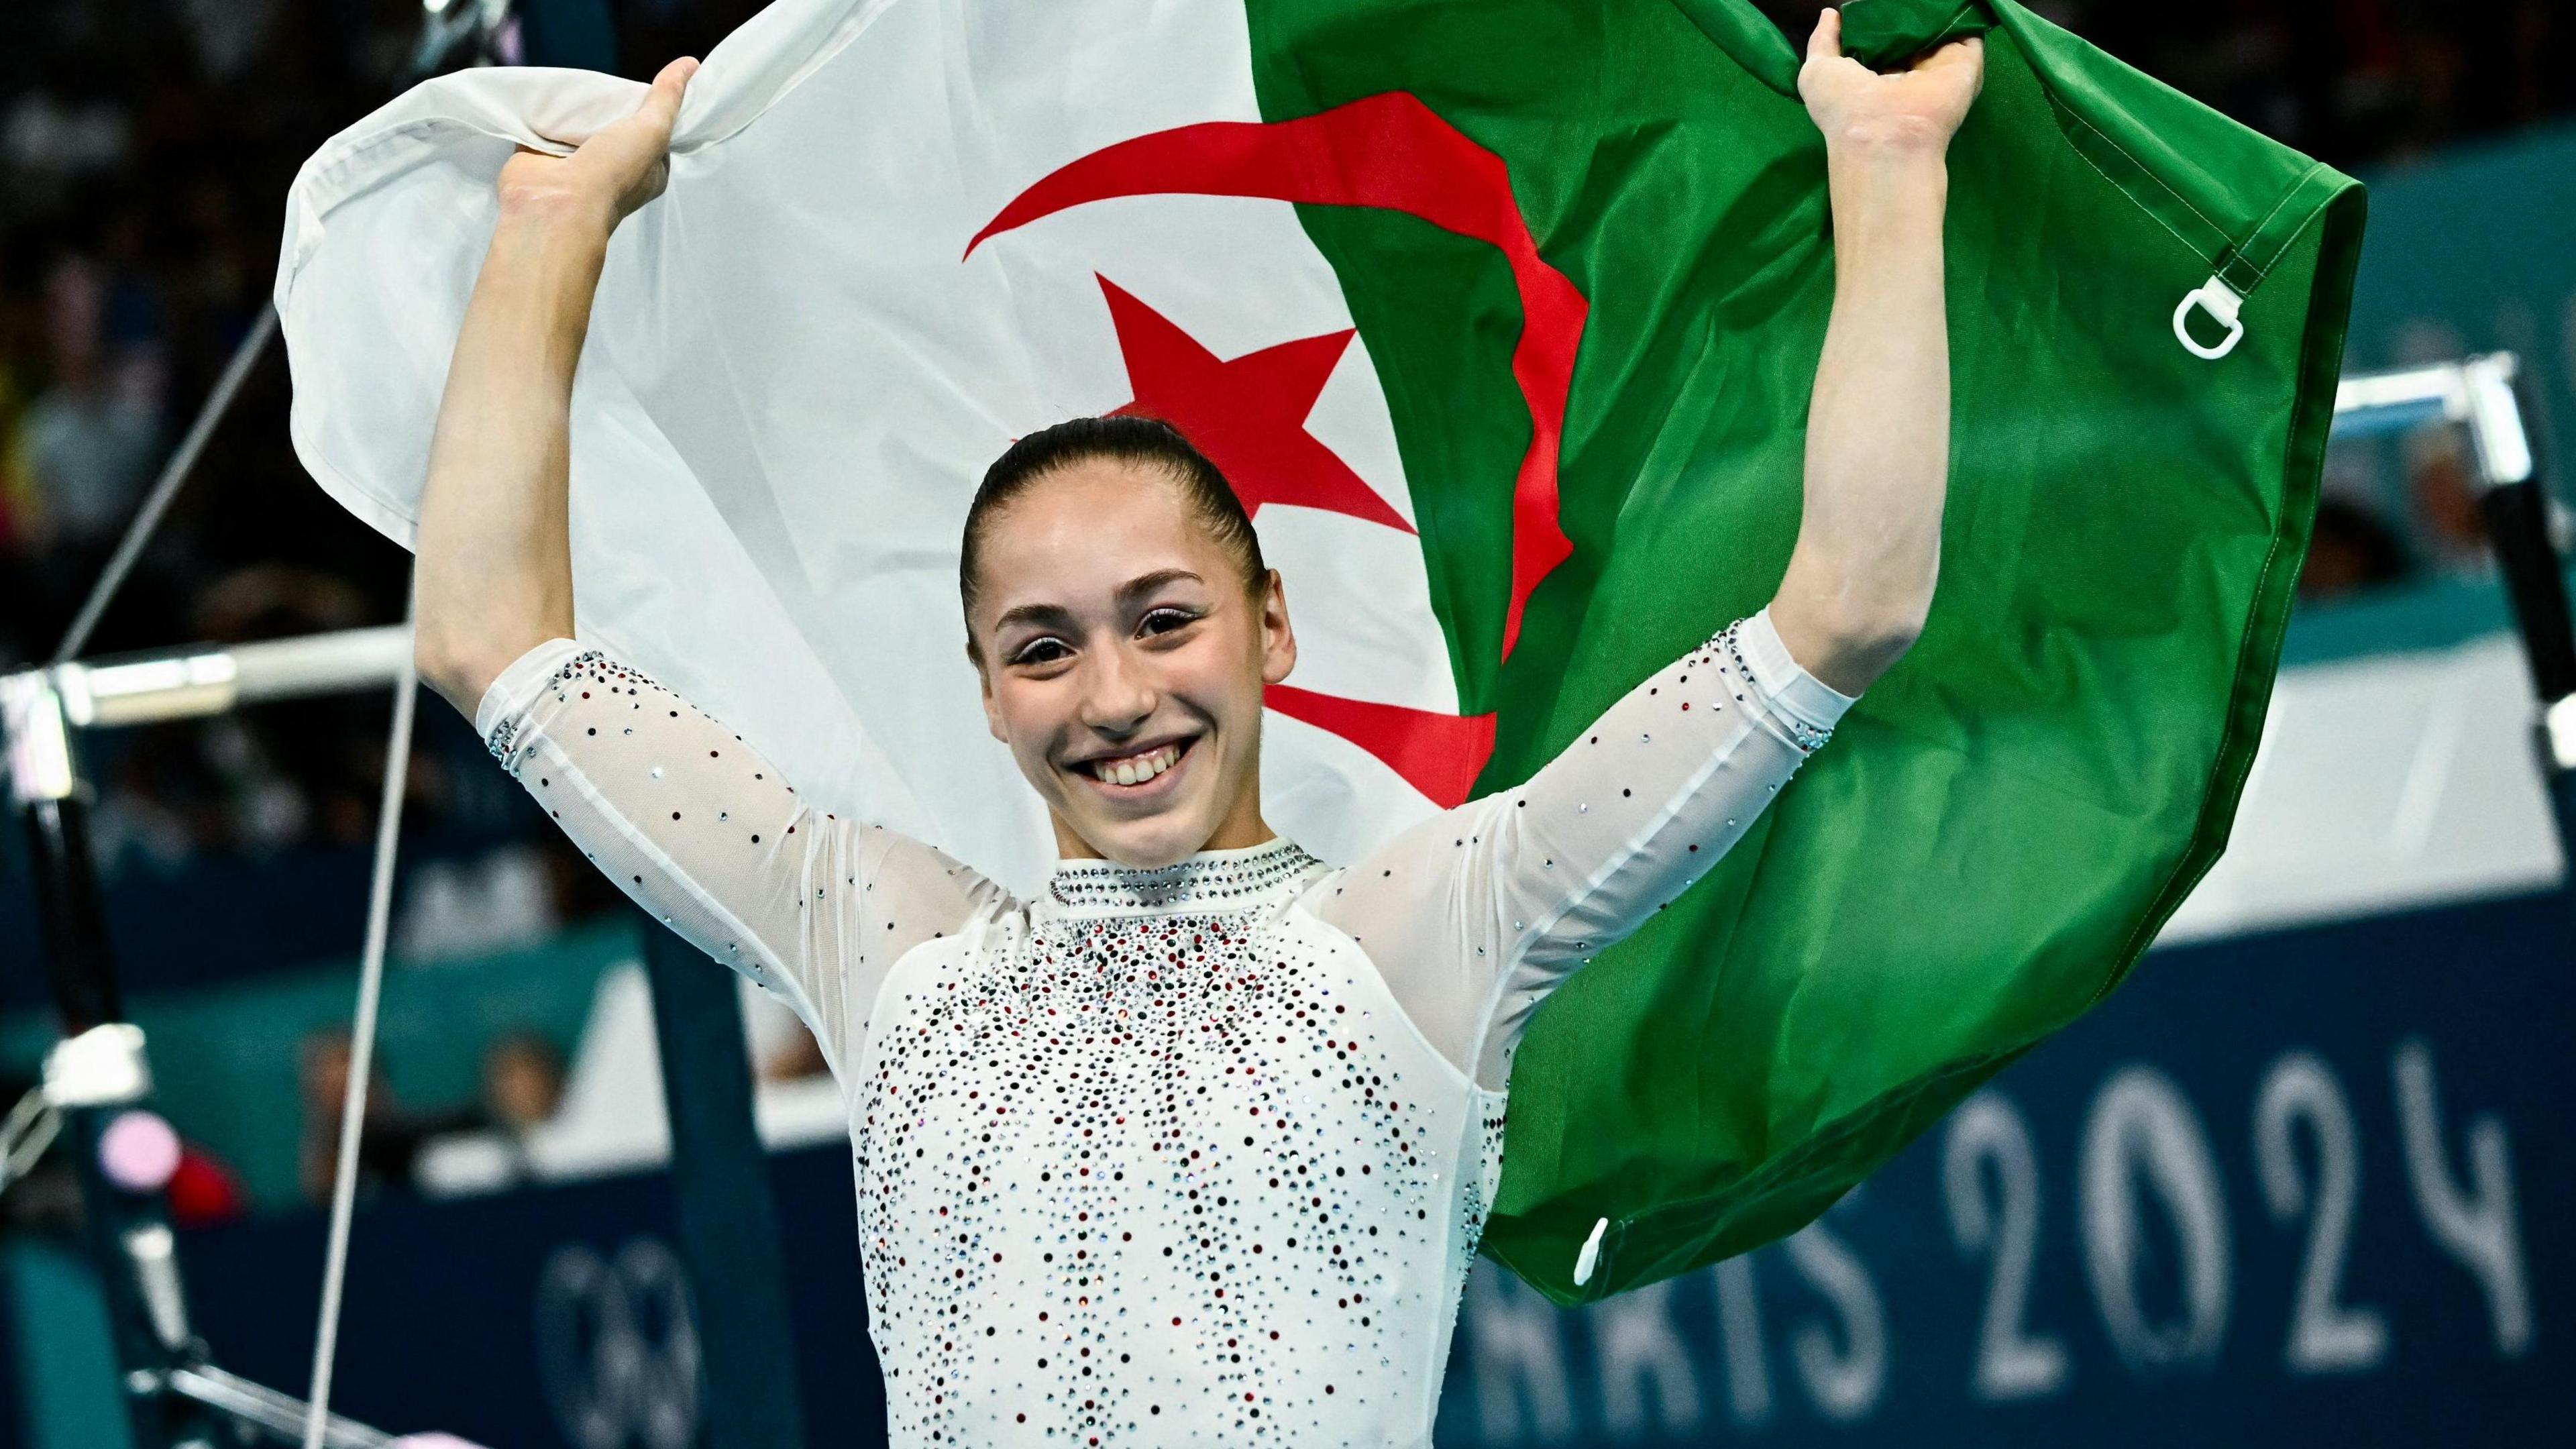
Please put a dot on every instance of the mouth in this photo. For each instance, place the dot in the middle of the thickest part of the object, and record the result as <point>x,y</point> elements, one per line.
<point>1138,773</point>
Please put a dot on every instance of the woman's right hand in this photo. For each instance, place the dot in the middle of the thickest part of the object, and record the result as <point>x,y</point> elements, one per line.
<point>494,576</point>
<point>622,166</point>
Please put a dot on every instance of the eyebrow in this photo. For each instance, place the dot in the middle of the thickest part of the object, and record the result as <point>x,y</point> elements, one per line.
<point>1055,616</point>
<point>1141,585</point>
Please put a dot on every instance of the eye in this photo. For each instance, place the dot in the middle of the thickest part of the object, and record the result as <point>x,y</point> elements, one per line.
<point>1166,620</point>
<point>1042,650</point>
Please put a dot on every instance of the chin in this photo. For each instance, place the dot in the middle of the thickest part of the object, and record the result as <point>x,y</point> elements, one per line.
<point>1149,843</point>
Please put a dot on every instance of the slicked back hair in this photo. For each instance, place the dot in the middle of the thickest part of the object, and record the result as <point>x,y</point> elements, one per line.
<point>1126,438</point>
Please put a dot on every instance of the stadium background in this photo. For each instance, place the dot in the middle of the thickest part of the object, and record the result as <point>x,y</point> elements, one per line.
<point>2307,1175</point>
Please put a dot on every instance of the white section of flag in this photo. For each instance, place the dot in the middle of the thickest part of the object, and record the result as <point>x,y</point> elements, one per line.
<point>795,376</point>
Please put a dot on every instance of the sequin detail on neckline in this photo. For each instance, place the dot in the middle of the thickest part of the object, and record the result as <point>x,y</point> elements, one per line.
<point>1211,879</point>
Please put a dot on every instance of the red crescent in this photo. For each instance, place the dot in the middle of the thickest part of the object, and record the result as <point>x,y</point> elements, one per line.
<point>1388,151</point>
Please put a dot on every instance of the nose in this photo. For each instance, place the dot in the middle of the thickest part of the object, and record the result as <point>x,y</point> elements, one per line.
<point>1118,696</point>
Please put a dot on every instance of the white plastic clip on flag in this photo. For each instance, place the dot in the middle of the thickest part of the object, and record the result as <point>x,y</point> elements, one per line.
<point>1590,1257</point>
<point>2220,301</point>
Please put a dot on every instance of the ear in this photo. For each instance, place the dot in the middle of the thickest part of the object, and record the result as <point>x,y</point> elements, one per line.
<point>984,683</point>
<point>1278,638</point>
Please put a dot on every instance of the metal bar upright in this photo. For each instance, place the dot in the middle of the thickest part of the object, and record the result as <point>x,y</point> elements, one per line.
<point>2521,526</point>
<point>728,1220</point>
<point>75,920</point>
<point>97,1072</point>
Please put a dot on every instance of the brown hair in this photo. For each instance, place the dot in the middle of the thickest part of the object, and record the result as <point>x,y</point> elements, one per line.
<point>1122,438</point>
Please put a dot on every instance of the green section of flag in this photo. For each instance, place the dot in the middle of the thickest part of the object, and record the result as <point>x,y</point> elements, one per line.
<point>1445,305</point>
<point>2002,823</point>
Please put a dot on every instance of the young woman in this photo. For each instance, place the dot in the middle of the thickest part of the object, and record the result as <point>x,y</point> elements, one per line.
<point>1195,1146</point>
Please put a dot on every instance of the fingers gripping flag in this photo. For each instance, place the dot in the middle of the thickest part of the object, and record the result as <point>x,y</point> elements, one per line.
<point>1502,319</point>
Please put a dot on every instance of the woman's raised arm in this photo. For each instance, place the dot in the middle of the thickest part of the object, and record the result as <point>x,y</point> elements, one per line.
<point>494,575</point>
<point>1476,915</point>
<point>680,812</point>
<point>1878,429</point>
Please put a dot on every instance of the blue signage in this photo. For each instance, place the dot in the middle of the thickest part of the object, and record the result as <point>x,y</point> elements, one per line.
<point>2307,1188</point>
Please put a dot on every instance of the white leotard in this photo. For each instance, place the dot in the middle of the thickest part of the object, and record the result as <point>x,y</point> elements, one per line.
<point>1189,1155</point>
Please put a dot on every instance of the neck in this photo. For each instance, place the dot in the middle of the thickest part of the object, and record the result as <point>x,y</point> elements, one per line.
<point>1241,828</point>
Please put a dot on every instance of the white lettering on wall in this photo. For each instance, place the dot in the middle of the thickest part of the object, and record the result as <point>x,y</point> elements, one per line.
<point>1739,1331</point>
<point>2479,1225</point>
<point>2142,1132</point>
<point>1636,1342</point>
<point>2326,1336</point>
<point>2012,1362</point>
<point>1845,1380</point>
<point>1519,1361</point>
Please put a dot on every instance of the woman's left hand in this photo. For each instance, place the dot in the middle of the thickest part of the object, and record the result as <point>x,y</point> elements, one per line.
<point>1912,110</point>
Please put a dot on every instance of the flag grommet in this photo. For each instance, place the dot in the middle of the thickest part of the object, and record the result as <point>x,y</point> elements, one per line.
<point>2222,303</point>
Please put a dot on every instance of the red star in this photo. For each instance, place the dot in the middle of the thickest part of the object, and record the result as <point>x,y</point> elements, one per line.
<point>1248,415</point>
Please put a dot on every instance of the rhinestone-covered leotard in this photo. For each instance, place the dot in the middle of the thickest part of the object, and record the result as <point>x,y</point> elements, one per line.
<point>1196,1155</point>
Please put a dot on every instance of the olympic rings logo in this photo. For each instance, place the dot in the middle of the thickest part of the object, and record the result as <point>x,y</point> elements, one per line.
<point>617,1347</point>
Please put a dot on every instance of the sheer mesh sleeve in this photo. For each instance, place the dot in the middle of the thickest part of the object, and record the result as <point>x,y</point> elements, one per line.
<point>693,824</point>
<point>1475,915</point>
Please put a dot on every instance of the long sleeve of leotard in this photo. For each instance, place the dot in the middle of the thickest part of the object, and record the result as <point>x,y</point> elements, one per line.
<point>692,823</point>
<point>1475,915</point>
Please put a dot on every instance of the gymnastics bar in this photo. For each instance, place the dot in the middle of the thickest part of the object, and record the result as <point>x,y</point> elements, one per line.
<point>173,1397</point>
<point>2484,397</point>
<point>99,1070</point>
<point>727,1218</point>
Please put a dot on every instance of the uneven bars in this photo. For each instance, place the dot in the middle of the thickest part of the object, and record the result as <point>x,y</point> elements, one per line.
<point>197,680</point>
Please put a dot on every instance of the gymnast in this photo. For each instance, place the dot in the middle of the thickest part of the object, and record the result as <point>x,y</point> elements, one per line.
<point>1195,1145</point>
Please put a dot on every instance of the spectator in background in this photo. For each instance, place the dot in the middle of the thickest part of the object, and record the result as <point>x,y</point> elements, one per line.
<point>2352,551</point>
<point>310,773</point>
<point>523,1082</point>
<point>257,780</point>
<point>18,383</point>
<point>2442,482</point>
<point>795,1059</point>
<point>392,1137</point>
<point>87,443</point>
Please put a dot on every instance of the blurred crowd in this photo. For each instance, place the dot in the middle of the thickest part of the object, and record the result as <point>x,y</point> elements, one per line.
<point>522,1085</point>
<point>145,151</point>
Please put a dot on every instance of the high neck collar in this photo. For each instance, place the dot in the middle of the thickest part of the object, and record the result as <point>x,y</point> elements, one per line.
<point>1217,879</point>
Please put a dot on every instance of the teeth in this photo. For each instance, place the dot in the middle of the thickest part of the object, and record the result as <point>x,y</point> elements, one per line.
<point>1137,769</point>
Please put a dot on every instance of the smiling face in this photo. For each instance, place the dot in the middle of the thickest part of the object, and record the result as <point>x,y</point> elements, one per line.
<point>1123,658</point>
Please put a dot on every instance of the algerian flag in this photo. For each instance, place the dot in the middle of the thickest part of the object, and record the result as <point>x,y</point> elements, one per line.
<point>1503,318</point>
